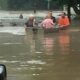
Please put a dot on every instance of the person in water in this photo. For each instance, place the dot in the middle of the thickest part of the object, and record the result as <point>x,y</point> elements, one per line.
<point>48,24</point>
<point>52,17</point>
<point>21,16</point>
<point>63,21</point>
<point>31,23</point>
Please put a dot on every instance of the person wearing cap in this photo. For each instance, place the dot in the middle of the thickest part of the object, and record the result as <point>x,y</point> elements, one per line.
<point>63,21</point>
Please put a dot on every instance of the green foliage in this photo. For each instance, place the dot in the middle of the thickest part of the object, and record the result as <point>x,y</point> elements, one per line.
<point>31,4</point>
<point>3,4</point>
<point>38,4</point>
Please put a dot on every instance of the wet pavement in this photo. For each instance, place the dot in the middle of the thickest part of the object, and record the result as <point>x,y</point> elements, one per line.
<point>41,56</point>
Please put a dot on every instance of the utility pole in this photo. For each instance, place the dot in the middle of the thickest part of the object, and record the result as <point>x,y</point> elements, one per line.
<point>48,4</point>
<point>35,6</point>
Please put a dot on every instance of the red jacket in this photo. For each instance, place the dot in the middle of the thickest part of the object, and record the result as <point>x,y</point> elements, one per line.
<point>63,21</point>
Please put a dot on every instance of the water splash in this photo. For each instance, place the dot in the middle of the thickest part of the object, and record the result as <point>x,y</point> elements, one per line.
<point>13,30</point>
<point>36,62</point>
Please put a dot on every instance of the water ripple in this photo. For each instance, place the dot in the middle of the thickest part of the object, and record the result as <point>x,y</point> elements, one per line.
<point>36,62</point>
<point>10,43</point>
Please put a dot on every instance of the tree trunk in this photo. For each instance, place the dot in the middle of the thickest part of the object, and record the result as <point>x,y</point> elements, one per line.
<point>75,6</point>
<point>77,11</point>
<point>69,12</point>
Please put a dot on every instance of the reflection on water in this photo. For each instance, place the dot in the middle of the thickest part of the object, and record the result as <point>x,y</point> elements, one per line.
<point>64,42</point>
<point>48,44</point>
<point>50,56</point>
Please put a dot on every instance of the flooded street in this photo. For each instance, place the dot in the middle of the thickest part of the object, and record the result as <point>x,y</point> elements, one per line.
<point>41,56</point>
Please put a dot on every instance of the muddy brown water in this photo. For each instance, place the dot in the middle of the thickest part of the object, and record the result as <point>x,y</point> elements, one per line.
<point>50,56</point>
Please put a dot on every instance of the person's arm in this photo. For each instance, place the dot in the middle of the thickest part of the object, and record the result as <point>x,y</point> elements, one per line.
<point>68,22</point>
<point>52,22</point>
<point>41,24</point>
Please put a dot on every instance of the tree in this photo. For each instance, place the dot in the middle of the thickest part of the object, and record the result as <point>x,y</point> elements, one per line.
<point>32,4</point>
<point>16,4</point>
<point>42,5</point>
<point>75,4</point>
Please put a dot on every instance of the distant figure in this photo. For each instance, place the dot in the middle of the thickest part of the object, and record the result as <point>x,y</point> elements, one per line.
<point>63,21</point>
<point>34,11</point>
<point>52,17</point>
<point>21,16</point>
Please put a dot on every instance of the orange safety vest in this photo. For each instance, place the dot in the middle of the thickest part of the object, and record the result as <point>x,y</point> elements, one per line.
<point>63,21</point>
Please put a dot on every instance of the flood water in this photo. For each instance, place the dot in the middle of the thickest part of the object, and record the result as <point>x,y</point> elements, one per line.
<point>41,56</point>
